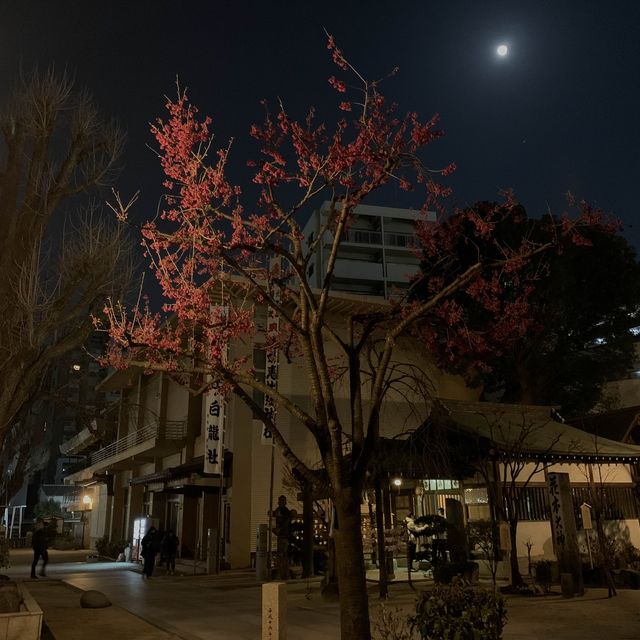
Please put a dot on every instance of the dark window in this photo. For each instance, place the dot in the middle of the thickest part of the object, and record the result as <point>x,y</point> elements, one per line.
<point>533,503</point>
<point>618,503</point>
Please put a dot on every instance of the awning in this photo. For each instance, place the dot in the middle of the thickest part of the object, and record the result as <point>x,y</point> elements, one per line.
<point>173,473</point>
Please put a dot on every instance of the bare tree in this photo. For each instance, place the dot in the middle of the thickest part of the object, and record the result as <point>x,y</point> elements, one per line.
<point>512,466</point>
<point>59,258</point>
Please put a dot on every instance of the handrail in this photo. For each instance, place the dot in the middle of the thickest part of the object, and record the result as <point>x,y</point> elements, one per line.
<point>400,239</point>
<point>391,238</point>
<point>174,430</point>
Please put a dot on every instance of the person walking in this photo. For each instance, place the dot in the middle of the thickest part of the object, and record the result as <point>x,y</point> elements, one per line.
<point>149,546</point>
<point>39,543</point>
<point>169,551</point>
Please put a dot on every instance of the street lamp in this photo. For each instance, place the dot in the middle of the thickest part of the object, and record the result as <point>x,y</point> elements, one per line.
<point>86,501</point>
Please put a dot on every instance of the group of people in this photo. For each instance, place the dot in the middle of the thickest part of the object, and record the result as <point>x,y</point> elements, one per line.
<point>155,542</point>
<point>436,530</point>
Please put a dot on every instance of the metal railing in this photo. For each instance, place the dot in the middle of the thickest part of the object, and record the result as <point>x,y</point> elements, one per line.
<point>174,430</point>
<point>398,239</point>
<point>363,236</point>
<point>391,238</point>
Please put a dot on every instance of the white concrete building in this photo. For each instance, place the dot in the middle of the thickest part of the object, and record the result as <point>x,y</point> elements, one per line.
<point>377,256</point>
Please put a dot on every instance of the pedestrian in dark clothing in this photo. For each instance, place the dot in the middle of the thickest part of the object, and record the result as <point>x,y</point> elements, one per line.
<point>169,551</point>
<point>149,546</point>
<point>39,543</point>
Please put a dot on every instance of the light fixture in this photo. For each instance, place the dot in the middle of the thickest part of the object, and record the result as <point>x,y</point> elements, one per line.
<point>397,482</point>
<point>76,367</point>
<point>86,500</point>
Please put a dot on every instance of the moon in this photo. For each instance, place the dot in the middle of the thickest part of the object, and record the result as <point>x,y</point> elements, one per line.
<point>502,50</point>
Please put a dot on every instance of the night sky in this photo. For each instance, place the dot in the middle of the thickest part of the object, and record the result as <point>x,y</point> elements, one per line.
<point>561,112</point>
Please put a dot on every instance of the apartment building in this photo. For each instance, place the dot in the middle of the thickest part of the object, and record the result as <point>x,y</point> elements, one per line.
<point>377,256</point>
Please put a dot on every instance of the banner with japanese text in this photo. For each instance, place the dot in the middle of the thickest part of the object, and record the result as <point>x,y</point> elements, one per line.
<point>272,360</point>
<point>213,419</point>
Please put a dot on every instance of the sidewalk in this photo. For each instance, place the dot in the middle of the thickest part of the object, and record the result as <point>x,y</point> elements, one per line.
<point>228,607</point>
<point>66,620</point>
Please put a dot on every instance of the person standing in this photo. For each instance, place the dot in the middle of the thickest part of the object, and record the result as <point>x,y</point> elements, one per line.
<point>169,551</point>
<point>149,546</point>
<point>409,522</point>
<point>441,539</point>
<point>39,543</point>
<point>283,516</point>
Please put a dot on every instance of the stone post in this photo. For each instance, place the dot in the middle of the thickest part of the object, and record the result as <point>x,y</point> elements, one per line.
<point>274,611</point>
<point>565,536</point>
<point>262,556</point>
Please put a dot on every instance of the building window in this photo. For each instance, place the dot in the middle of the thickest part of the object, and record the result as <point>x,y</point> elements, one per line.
<point>618,503</point>
<point>534,504</point>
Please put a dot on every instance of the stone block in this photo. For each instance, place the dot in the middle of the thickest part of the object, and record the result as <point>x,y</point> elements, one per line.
<point>23,627</point>
<point>10,597</point>
<point>94,600</point>
<point>274,611</point>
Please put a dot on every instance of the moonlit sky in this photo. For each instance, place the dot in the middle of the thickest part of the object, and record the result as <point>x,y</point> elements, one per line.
<point>560,112</point>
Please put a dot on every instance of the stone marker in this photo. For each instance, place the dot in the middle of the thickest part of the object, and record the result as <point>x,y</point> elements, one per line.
<point>262,556</point>
<point>94,600</point>
<point>274,611</point>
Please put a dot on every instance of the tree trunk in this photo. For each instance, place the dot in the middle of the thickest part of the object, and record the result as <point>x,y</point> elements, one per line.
<point>354,601</point>
<point>383,574</point>
<point>516,578</point>
<point>307,532</point>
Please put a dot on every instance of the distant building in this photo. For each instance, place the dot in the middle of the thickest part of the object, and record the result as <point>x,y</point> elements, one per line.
<point>377,256</point>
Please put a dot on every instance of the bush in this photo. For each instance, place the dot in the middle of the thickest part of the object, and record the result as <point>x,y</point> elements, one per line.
<point>65,542</point>
<point>444,573</point>
<point>543,573</point>
<point>392,624</point>
<point>628,556</point>
<point>4,552</point>
<point>110,549</point>
<point>460,612</point>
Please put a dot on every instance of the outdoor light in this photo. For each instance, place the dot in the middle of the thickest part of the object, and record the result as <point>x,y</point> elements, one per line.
<point>397,482</point>
<point>76,367</point>
<point>86,500</point>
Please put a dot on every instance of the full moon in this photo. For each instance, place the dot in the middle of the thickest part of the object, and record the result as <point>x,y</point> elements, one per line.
<point>502,50</point>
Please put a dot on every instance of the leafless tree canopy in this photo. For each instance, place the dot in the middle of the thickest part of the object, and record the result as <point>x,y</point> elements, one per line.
<point>60,257</point>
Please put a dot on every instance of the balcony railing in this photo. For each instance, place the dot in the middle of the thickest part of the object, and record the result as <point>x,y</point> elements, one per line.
<point>391,238</point>
<point>173,430</point>
<point>363,236</point>
<point>398,239</point>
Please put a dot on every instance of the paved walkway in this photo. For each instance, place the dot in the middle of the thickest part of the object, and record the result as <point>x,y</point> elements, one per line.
<point>227,607</point>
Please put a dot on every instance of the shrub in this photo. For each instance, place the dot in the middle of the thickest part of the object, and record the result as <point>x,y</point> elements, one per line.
<point>543,574</point>
<point>65,542</point>
<point>392,624</point>
<point>4,552</point>
<point>444,573</point>
<point>110,549</point>
<point>628,555</point>
<point>460,612</point>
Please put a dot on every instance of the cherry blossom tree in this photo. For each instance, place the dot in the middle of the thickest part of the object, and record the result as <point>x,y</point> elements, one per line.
<point>217,258</point>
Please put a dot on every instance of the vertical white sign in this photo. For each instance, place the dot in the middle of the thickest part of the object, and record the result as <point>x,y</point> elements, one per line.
<point>213,420</point>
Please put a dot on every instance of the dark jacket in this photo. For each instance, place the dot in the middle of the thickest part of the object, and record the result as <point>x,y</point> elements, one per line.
<point>170,545</point>
<point>39,540</point>
<point>149,544</point>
